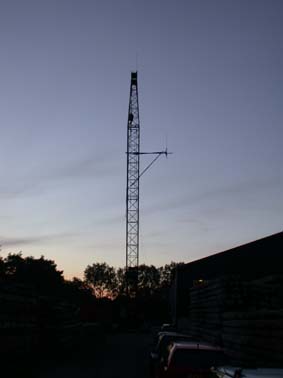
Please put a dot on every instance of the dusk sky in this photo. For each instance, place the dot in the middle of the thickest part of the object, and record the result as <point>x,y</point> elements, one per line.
<point>210,75</point>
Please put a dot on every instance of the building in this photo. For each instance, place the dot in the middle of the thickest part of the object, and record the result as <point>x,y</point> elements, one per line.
<point>235,299</point>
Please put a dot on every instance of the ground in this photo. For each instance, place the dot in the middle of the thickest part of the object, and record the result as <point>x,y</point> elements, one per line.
<point>119,355</point>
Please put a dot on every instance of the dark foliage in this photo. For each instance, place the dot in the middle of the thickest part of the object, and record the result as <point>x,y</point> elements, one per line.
<point>102,278</point>
<point>40,273</point>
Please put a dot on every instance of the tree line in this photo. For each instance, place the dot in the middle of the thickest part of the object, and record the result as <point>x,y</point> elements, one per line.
<point>99,280</point>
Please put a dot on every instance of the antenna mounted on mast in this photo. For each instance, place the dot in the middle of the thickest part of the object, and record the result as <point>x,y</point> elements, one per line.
<point>133,181</point>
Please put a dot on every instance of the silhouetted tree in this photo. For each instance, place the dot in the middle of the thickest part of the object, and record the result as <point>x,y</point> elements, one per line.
<point>102,279</point>
<point>78,291</point>
<point>2,268</point>
<point>148,279</point>
<point>151,280</point>
<point>42,274</point>
<point>167,274</point>
<point>121,281</point>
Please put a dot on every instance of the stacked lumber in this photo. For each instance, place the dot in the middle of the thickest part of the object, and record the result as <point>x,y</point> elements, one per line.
<point>60,328</point>
<point>31,323</point>
<point>18,321</point>
<point>245,317</point>
<point>205,309</point>
<point>253,335</point>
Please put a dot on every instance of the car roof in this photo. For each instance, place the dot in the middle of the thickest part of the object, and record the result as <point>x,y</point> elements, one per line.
<point>251,373</point>
<point>194,345</point>
<point>171,333</point>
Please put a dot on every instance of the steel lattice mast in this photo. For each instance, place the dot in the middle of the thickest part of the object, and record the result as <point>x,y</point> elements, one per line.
<point>133,177</point>
<point>133,185</point>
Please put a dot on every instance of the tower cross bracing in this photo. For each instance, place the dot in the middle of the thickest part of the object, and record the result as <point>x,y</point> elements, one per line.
<point>133,176</point>
<point>133,184</point>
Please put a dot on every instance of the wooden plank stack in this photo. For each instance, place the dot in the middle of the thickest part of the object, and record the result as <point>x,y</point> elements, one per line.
<point>30,323</point>
<point>205,311</point>
<point>18,321</point>
<point>243,316</point>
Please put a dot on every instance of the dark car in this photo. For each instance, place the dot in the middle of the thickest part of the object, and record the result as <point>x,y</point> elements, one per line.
<point>160,352</point>
<point>168,327</point>
<point>191,360</point>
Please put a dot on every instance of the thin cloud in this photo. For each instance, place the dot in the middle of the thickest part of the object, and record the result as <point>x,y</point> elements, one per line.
<point>37,181</point>
<point>91,167</point>
<point>245,188</point>
<point>115,219</point>
<point>101,247</point>
<point>10,242</point>
<point>195,223</point>
<point>18,189</point>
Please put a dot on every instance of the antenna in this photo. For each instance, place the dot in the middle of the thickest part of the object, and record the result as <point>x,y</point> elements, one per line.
<point>137,60</point>
<point>133,181</point>
<point>166,143</point>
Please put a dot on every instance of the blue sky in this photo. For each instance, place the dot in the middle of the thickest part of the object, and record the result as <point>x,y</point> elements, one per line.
<point>210,87</point>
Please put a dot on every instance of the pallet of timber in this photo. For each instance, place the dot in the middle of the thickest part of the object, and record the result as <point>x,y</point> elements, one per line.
<point>253,332</point>
<point>262,355</point>
<point>259,314</point>
<point>271,343</point>
<point>255,323</point>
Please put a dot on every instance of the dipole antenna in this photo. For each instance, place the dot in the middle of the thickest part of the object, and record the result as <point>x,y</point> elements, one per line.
<point>133,185</point>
